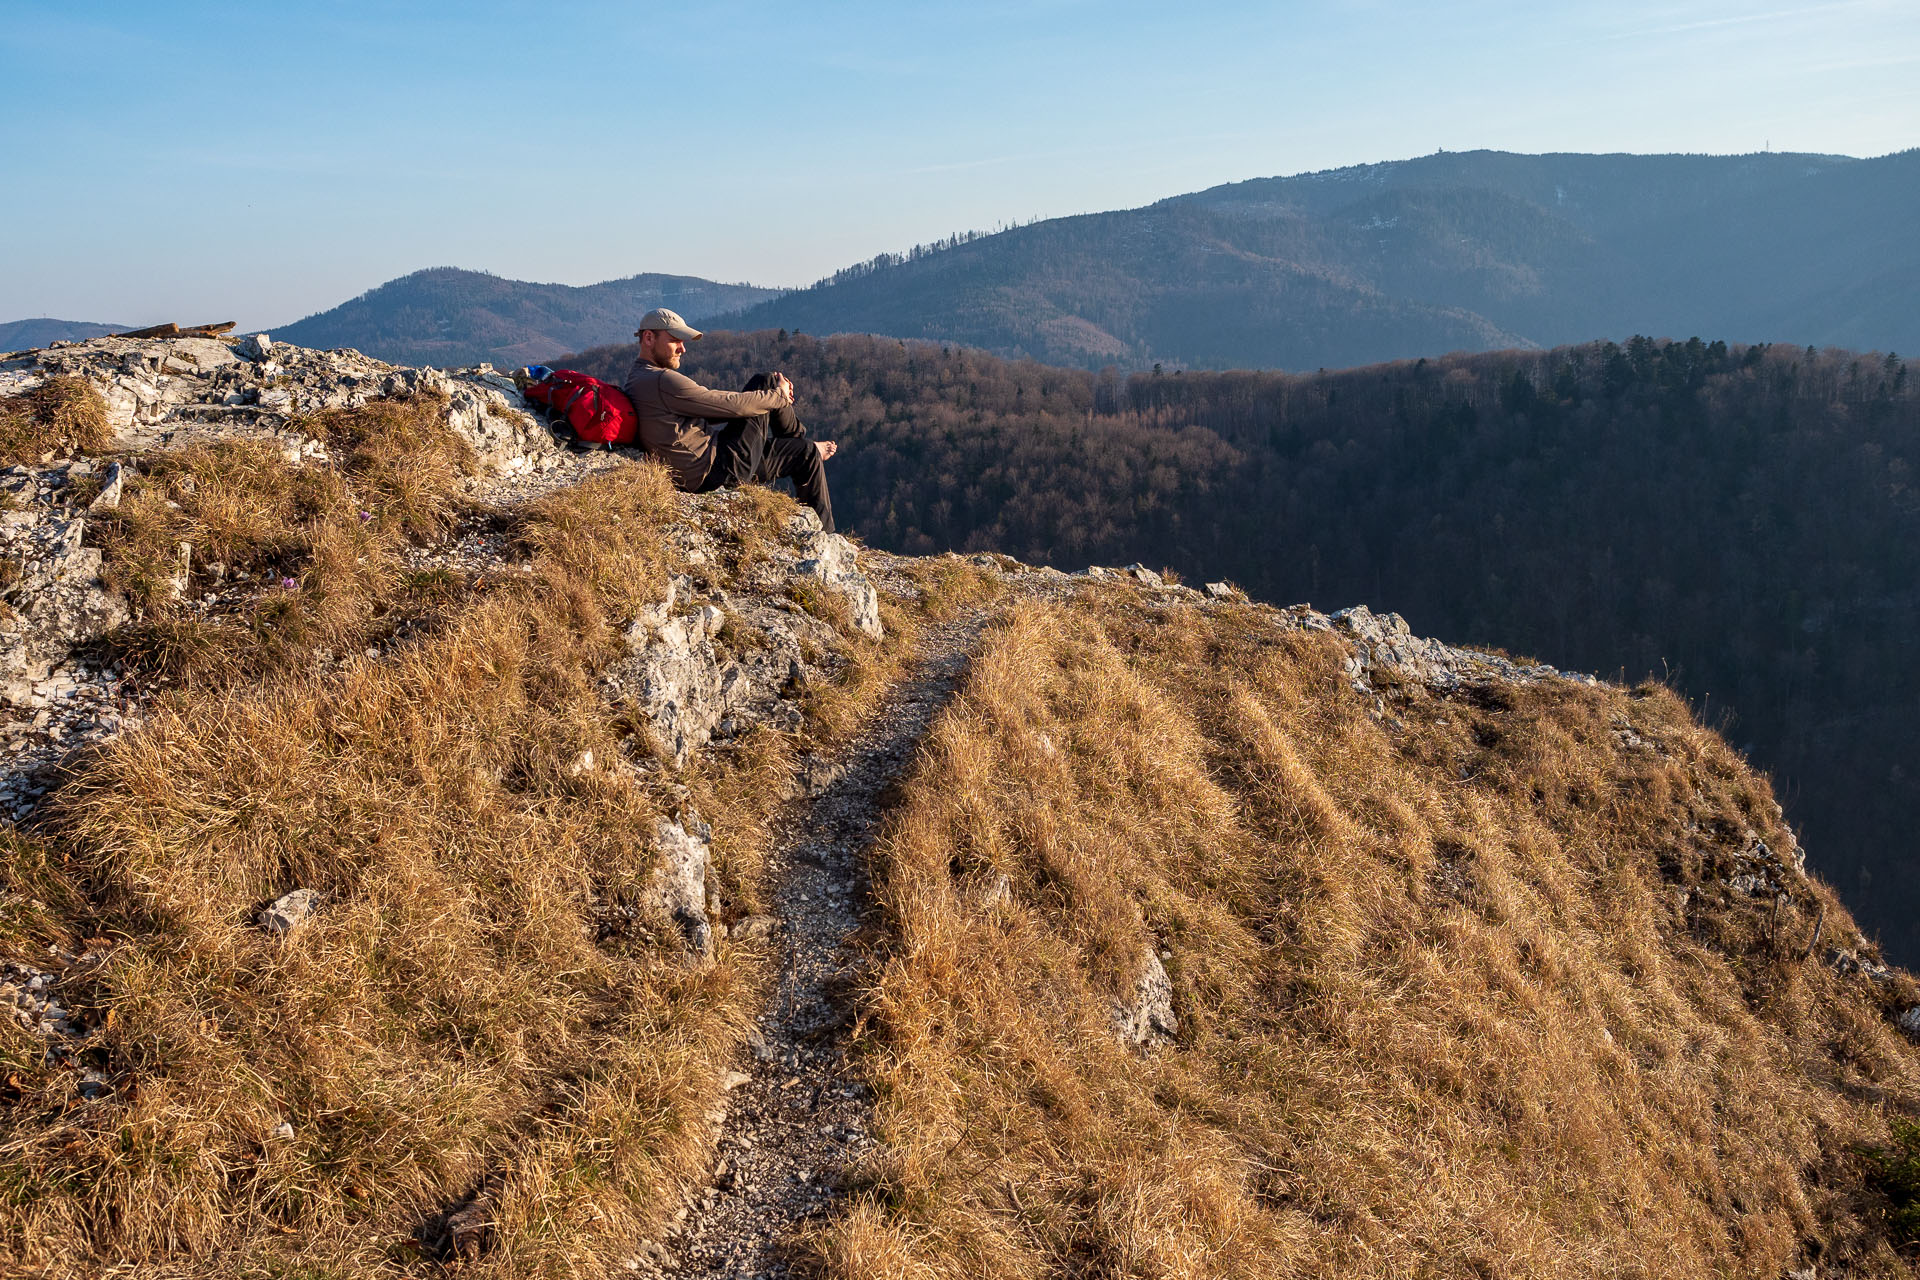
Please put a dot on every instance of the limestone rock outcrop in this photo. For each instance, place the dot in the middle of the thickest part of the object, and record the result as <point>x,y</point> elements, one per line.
<point>1380,644</point>
<point>709,660</point>
<point>673,677</point>
<point>1383,642</point>
<point>832,561</point>
<point>679,885</point>
<point>168,392</point>
<point>51,597</point>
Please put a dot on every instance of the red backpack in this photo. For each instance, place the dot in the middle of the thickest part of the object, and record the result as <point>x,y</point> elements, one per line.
<point>598,412</point>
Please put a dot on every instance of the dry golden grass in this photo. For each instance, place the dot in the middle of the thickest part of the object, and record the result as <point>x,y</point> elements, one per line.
<point>318,548</point>
<point>447,1016</point>
<point>447,1019</point>
<point>60,416</point>
<point>453,1020</point>
<point>1442,1010</point>
<point>762,511</point>
<point>951,586</point>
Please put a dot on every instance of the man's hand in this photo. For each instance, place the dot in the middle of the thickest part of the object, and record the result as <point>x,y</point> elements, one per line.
<point>827,448</point>
<point>786,385</point>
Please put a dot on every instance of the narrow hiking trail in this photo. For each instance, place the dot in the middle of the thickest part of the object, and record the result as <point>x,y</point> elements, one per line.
<point>796,1118</point>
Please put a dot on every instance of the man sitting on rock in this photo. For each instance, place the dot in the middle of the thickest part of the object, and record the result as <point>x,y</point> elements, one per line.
<point>721,439</point>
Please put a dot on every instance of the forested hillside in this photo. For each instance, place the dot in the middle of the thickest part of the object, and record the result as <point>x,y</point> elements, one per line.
<point>446,316</point>
<point>1453,251</point>
<point>1740,520</point>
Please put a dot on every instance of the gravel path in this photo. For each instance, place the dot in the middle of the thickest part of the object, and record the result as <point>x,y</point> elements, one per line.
<point>796,1118</point>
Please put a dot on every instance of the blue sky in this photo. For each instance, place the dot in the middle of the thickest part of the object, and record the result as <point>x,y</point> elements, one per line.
<point>198,161</point>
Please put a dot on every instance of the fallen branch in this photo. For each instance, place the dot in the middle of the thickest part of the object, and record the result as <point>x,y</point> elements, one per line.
<point>171,330</point>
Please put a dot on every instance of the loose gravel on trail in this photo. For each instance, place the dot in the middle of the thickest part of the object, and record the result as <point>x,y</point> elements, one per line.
<point>796,1117</point>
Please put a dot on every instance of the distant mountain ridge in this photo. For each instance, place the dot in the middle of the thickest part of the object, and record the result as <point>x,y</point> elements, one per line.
<point>1455,251</point>
<point>29,335</point>
<point>448,316</point>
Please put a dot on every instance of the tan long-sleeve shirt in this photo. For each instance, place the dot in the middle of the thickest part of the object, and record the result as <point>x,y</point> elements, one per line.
<point>674,411</point>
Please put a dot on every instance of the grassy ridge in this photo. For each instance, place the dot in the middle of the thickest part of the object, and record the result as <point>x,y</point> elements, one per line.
<point>1740,521</point>
<point>454,1023</point>
<point>1445,1008</point>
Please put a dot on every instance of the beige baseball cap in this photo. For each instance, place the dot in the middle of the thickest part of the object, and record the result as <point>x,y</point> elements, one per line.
<point>669,322</point>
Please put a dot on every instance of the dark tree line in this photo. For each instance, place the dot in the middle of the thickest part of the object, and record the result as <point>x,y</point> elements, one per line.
<point>1740,520</point>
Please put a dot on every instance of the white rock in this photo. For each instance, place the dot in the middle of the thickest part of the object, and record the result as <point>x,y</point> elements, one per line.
<point>257,395</point>
<point>110,489</point>
<point>56,601</point>
<point>289,912</point>
<point>1384,642</point>
<point>675,680</point>
<point>1147,1019</point>
<point>831,559</point>
<point>679,885</point>
<point>182,575</point>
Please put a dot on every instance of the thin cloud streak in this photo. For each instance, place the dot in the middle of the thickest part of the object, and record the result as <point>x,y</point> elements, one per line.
<point>1742,20</point>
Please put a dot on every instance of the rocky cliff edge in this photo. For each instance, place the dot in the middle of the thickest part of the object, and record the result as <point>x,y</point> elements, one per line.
<point>567,867</point>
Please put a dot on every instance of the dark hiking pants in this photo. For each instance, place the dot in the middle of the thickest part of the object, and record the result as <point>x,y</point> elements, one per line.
<point>769,447</point>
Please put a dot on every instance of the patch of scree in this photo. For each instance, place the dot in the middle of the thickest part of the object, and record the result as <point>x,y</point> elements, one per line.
<point>48,715</point>
<point>79,703</point>
<point>34,997</point>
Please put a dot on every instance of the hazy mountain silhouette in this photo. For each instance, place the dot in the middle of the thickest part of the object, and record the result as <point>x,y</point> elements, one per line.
<point>1475,250</point>
<point>447,316</point>
<point>25,335</point>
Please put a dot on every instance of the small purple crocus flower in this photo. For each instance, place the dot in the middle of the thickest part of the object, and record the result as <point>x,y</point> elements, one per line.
<point>365,516</point>
<point>289,583</point>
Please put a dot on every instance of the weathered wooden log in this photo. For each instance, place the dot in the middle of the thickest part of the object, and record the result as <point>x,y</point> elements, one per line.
<point>171,330</point>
